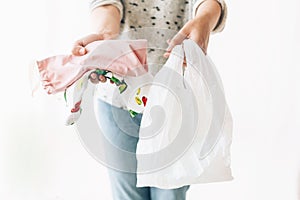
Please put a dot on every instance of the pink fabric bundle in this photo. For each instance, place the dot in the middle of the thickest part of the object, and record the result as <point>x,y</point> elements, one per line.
<point>122,57</point>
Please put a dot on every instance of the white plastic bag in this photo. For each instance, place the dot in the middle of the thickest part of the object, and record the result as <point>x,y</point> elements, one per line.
<point>186,129</point>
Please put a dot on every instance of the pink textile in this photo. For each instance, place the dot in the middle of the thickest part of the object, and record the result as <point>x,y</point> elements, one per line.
<point>122,57</point>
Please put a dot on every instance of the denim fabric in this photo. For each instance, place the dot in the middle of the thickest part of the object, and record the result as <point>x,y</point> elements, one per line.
<point>121,130</point>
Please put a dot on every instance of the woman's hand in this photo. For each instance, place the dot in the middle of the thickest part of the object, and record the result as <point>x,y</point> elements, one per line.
<point>105,24</point>
<point>195,29</point>
<point>79,46</point>
<point>199,28</point>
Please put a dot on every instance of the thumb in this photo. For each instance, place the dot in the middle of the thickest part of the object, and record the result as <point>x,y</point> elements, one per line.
<point>79,46</point>
<point>78,50</point>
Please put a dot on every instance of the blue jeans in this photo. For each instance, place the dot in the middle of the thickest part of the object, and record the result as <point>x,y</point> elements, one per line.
<point>122,130</point>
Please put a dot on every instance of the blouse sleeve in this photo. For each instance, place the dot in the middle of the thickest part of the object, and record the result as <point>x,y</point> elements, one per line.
<point>221,22</point>
<point>117,3</point>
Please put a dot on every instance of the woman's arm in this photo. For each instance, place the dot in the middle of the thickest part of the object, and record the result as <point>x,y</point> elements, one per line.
<point>209,11</point>
<point>105,25</point>
<point>106,20</point>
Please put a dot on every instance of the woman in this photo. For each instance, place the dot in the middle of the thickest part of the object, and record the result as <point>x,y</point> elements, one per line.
<point>156,21</point>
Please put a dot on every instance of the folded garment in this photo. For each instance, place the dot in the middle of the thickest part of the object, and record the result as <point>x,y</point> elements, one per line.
<point>122,57</point>
<point>106,59</point>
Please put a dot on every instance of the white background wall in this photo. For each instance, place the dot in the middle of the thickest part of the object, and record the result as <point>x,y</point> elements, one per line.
<point>257,56</point>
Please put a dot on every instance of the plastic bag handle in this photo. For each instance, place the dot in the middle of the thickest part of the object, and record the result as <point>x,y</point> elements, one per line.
<point>176,57</point>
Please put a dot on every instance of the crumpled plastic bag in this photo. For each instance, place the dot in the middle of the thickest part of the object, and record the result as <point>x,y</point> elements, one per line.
<point>186,128</point>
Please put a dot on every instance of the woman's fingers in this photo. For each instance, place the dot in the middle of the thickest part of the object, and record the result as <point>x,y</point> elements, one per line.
<point>167,54</point>
<point>78,50</point>
<point>79,46</point>
<point>177,39</point>
<point>196,30</point>
<point>184,62</point>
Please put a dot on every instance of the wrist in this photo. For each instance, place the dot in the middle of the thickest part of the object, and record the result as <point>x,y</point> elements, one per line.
<point>106,34</point>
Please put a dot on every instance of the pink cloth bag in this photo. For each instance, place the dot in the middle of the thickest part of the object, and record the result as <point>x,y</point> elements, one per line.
<point>122,57</point>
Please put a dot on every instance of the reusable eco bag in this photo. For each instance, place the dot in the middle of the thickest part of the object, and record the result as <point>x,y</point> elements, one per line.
<point>186,128</point>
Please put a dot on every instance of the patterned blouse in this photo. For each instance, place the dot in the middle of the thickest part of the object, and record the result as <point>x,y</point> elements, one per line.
<point>157,21</point>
